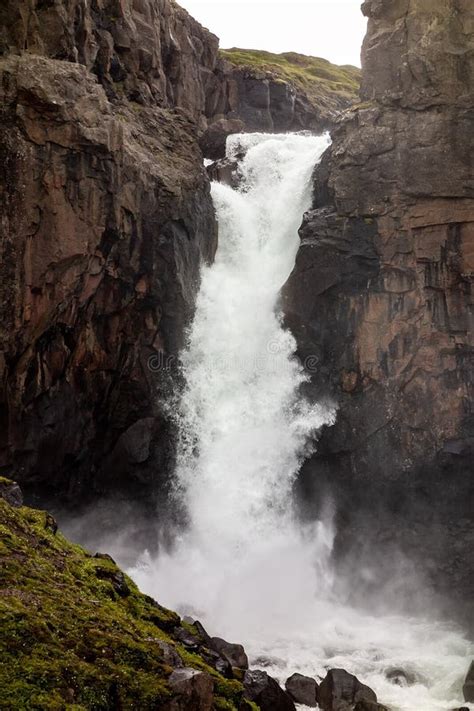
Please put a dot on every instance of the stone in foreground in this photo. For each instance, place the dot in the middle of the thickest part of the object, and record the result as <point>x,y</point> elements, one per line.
<point>233,653</point>
<point>339,691</point>
<point>194,688</point>
<point>266,692</point>
<point>302,689</point>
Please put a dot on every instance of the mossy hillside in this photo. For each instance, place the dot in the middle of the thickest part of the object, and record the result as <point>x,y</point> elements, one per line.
<point>315,76</point>
<point>76,633</point>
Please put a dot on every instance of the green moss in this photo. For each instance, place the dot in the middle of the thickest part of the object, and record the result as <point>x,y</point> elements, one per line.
<point>315,76</point>
<point>69,636</point>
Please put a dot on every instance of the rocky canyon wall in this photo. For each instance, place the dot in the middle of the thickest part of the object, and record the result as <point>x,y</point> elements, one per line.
<point>381,294</point>
<point>106,217</point>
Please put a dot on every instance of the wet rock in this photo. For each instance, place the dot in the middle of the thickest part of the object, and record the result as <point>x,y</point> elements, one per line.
<point>201,632</point>
<point>400,677</point>
<point>233,653</point>
<point>468,687</point>
<point>11,492</point>
<point>217,662</point>
<point>224,171</point>
<point>193,688</point>
<point>266,692</point>
<point>339,691</point>
<point>302,689</point>
<point>189,639</point>
<point>213,141</point>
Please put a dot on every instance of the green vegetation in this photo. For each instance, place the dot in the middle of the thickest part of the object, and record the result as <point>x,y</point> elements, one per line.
<point>76,633</point>
<point>314,76</point>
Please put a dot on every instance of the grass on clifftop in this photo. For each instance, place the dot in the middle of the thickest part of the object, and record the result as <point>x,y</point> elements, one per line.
<point>311,74</point>
<point>75,632</point>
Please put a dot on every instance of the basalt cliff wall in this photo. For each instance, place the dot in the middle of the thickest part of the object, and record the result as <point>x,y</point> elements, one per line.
<point>381,294</point>
<point>106,217</point>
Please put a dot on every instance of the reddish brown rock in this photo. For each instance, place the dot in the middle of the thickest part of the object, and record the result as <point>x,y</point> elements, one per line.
<point>381,292</point>
<point>106,218</point>
<point>151,52</point>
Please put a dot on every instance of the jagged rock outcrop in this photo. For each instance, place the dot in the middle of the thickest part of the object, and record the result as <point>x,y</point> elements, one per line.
<point>381,294</point>
<point>148,51</point>
<point>106,217</point>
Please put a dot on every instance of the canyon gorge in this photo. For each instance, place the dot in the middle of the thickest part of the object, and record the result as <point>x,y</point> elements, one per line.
<point>138,296</point>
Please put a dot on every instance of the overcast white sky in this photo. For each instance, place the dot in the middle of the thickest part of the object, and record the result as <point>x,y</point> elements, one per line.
<point>332,29</point>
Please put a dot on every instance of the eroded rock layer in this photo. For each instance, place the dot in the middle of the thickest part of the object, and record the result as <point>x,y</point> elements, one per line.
<point>381,294</point>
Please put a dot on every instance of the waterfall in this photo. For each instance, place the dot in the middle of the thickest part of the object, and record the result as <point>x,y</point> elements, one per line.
<point>243,563</point>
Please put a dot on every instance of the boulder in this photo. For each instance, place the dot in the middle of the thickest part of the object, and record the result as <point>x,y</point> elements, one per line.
<point>11,492</point>
<point>468,688</point>
<point>340,691</point>
<point>302,689</point>
<point>214,660</point>
<point>193,688</point>
<point>233,653</point>
<point>266,692</point>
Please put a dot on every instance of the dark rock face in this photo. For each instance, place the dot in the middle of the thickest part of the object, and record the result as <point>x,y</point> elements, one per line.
<point>213,140</point>
<point>340,691</point>
<point>106,218</point>
<point>302,689</point>
<point>381,294</point>
<point>193,688</point>
<point>232,653</point>
<point>266,692</point>
<point>150,52</point>
<point>11,493</point>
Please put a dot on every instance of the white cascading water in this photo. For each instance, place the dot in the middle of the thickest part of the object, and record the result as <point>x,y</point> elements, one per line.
<point>244,565</point>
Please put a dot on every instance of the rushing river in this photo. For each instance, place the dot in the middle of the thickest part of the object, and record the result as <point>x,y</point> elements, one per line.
<point>244,564</point>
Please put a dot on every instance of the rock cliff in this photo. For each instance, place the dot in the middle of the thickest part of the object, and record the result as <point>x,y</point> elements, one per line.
<point>148,51</point>
<point>381,294</point>
<point>106,217</point>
